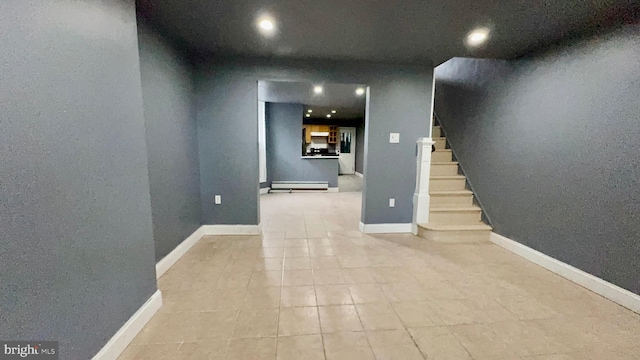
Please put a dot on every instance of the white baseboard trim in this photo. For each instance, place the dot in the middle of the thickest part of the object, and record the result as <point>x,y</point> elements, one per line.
<point>163,265</point>
<point>332,189</point>
<point>384,228</point>
<point>604,288</point>
<point>231,229</point>
<point>359,174</point>
<point>264,190</point>
<point>119,342</point>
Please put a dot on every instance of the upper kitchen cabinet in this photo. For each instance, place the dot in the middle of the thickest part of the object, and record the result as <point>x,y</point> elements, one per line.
<point>330,130</point>
<point>333,134</point>
<point>306,133</point>
<point>319,128</point>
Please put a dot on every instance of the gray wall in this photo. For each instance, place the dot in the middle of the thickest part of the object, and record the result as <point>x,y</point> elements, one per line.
<point>228,132</point>
<point>77,246</point>
<point>227,114</point>
<point>284,148</point>
<point>550,144</point>
<point>172,141</point>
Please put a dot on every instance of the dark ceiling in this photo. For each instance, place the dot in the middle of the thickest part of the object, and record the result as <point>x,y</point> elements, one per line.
<point>339,97</point>
<point>379,30</point>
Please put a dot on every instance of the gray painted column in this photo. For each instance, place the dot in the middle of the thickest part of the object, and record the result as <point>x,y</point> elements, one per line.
<point>396,104</point>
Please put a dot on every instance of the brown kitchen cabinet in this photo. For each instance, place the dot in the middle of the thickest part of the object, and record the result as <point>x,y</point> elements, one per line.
<point>307,133</point>
<point>319,128</point>
<point>333,134</point>
<point>331,129</point>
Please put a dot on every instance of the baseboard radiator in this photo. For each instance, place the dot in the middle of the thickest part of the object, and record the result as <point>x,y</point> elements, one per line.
<point>298,185</point>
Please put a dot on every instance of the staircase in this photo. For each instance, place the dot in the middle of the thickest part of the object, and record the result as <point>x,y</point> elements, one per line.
<point>453,217</point>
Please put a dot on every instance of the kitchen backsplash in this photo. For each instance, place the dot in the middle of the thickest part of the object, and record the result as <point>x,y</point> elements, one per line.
<point>320,143</point>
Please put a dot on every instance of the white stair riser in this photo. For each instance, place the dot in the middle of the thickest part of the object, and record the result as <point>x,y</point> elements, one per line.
<point>440,143</point>
<point>435,132</point>
<point>462,236</point>
<point>451,200</point>
<point>439,169</point>
<point>441,156</point>
<point>448,184</point>
<point>454,217</point>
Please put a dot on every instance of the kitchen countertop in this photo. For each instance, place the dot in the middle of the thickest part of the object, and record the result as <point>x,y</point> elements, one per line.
<point>310,157</point>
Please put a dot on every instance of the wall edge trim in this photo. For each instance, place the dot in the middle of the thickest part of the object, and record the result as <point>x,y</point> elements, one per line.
<point>171,258</point>
<point>123,337</point>
<point>264,190</point>
<point>359,174</point>
<point>165,264</point>
<point>601,287</point>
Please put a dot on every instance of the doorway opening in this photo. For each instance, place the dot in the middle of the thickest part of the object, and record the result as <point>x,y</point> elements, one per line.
<point>349,179</point>
<point>311,137</point>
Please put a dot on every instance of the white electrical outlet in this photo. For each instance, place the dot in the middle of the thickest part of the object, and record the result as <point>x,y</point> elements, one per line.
<point>392,202</point>
<point>218,199</point>
<point>394,138</point>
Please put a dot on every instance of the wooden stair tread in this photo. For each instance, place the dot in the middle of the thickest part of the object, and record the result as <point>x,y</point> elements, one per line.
<point>446,177</point>
<point>450,192</point>
<point>448,227</point>
<point>454,208</point>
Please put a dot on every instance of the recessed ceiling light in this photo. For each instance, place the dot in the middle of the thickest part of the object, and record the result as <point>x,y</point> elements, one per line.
<point>309,111</point>
<point>477,37</point>
<point>359,91</point>
<point>333,111</point>
<point>328,115</point>
<point>266,25</point>
<point>317,89</point>
<point>308,115</point>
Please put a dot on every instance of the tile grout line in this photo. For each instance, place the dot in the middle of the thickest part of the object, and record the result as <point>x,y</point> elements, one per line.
<point>361,323</point>
<point>284,260</point>
<point>235,323</point>
<point>402,322</point>
<point>407,328</point>
<point>324,350</point>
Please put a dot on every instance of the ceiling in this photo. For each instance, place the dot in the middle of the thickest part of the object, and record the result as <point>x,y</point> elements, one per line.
<point>321,112</point>
<point>407,31</point>
<point>339,97</point>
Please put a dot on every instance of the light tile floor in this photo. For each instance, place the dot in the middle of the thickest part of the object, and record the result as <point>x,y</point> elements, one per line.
<point>314,287</point>
<point>350,183</point>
